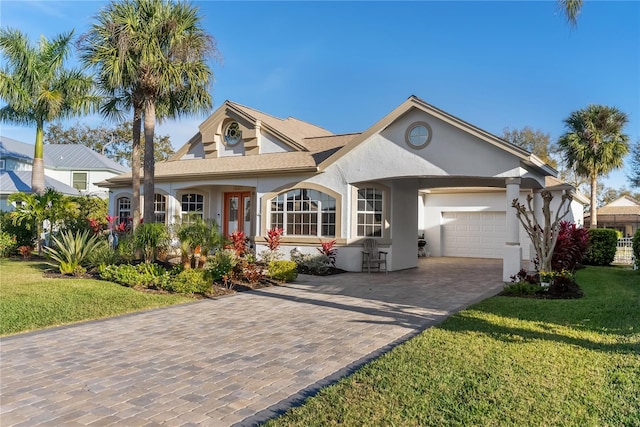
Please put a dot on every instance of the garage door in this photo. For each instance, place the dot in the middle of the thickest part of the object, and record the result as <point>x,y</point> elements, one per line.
<point>473,234</point>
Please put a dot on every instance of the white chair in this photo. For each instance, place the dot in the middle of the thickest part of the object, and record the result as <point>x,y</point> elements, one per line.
<point>372,257</point>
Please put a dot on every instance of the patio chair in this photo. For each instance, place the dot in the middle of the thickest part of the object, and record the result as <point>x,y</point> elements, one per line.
<point>372,257</point>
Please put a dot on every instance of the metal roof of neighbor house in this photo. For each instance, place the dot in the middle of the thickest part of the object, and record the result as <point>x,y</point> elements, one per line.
<point>15,181</point>
<point>61,156</point>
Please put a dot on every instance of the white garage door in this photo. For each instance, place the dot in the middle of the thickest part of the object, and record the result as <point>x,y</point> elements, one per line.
<point>473,234</point>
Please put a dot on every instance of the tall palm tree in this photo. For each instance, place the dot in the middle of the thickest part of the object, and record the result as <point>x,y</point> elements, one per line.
<point>153,52</point>
<point>37,88</point>
<point>595,145</point>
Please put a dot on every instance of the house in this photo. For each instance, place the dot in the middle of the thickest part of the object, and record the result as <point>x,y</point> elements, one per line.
<point>623,214</point>
<point>418,170</point>
<point>69,169</point>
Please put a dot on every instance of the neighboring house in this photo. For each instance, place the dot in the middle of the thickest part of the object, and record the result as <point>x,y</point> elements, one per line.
<point>69,169</point>
<point>418,170</point>
<point>622,214</point>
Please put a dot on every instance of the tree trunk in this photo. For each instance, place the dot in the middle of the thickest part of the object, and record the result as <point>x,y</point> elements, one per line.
<point>37,170</point>
<point>135,166</point>
<point>149,161</point>
<point>594,206</point>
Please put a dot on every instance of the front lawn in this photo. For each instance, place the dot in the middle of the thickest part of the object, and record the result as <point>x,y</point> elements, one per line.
<point>30,301</point>
<point>504,362</point>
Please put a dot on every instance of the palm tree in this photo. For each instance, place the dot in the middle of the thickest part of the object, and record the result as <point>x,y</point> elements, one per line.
<point>571,10</point>
<point>595,145</point>
<point>153,54</point>
<point>38,89</point>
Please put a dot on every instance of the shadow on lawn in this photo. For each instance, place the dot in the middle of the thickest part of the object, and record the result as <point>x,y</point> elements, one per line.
<point>463,322</point>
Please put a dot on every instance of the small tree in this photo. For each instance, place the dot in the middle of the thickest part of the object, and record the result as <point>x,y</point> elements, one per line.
<point>544,236</point>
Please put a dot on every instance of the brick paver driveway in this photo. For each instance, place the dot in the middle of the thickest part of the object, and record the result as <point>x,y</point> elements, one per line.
<point>237,360</point>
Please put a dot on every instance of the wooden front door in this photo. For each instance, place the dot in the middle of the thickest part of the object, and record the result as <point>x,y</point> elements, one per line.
<point>237,213</point>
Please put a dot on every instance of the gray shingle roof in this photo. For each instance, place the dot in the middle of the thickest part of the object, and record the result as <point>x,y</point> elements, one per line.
<point>61,156</point>
<point>14,181</point>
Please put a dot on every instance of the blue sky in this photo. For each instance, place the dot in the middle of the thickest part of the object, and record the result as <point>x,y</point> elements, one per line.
<point>344,65</point>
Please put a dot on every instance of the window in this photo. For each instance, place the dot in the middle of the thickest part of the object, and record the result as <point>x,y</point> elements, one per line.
<point>123,210</point>
<point>2,164</point>
<point>192,207</point>
<point>160,208</point>
<point>79,180</point>
<point>370,212</point>
<point>232,134</point>
<point>304,212</point>
<point>418,135</point>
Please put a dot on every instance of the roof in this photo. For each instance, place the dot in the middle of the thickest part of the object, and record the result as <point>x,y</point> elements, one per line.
<point>314,148</point>
<point>15,181</point>
<point>553,183</point>
<point>61,156</point>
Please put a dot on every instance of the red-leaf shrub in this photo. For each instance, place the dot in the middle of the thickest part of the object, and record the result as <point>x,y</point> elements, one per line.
<point>329,250</point>
<point>238,243</point>
<point>571,247</point>
<point>273,238</point>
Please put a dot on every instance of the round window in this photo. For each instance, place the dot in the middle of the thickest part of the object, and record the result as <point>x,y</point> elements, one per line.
<point>233,134</point>
<point>418,135</point>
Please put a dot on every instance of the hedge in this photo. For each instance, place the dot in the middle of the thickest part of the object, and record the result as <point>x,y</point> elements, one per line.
<point>603,246</point>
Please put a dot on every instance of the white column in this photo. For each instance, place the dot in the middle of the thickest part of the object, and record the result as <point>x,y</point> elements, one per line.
<point>512,259</point>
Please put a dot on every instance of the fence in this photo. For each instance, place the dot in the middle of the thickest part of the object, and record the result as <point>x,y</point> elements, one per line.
<point>624,252</point>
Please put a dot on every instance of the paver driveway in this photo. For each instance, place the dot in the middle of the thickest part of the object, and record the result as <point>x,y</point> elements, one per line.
<point>237,360</point>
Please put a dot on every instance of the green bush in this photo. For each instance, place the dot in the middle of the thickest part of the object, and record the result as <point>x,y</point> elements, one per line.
<point>311,264</point>
<point>221,264</point>
<point>142,275</point>
<point>126,248</point>
<point>286,271</point>
<point>150,238</point>
<point>189,282</point>
<point>71,251</point>
<point>522,288</point>
<point>103,254</point>
<point>602,250</point>
<point>8,244</point>
<point>25,236</point>
<point>636,248</point>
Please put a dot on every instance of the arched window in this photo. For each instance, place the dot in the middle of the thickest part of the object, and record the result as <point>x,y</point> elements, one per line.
<point>123,210</point>
<point>304,212</point>
<point>160,207</point>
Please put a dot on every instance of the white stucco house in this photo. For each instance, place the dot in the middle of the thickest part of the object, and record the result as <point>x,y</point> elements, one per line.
<point>418,170</point>
<point>68,168</point>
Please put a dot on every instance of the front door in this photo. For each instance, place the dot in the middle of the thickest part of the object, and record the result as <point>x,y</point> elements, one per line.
<point>237,213</point>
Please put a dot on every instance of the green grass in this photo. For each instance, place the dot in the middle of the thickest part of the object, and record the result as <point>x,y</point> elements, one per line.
<point>30,301</point>
<point>504,362</point>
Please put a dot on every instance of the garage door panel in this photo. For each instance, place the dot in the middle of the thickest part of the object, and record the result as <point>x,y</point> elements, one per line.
<point>474,234</point>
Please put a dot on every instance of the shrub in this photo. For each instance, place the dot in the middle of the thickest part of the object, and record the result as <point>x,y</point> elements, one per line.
<point>522,288</point>
<point>142,275</point>
<point>571,247</point>
<point>311,264</point>
<point>103,254</point>
<point>273,238</point>
<point>25,236</point>
<point>151,238</point>
<point>328,249</point>
<point>221,264</point>
<point>286,271</point>
<point>126,248</point>
<point>72,250</point>
<point>253,273</point>
<point>603,243</point>
<point>238,243</point>
<point>8,244</point>
<point>188,282</point>
<point>636,248</point>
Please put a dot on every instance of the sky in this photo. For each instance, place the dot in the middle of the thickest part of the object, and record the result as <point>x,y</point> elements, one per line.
<point>345,65</point>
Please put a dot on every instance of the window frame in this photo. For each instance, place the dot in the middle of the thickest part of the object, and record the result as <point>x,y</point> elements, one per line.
<point>156,211</point>
<point>86,180</point>
<point>385,213</point>
<point>288,199</point>
<point>118,210</point>
<point>186,216</point>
